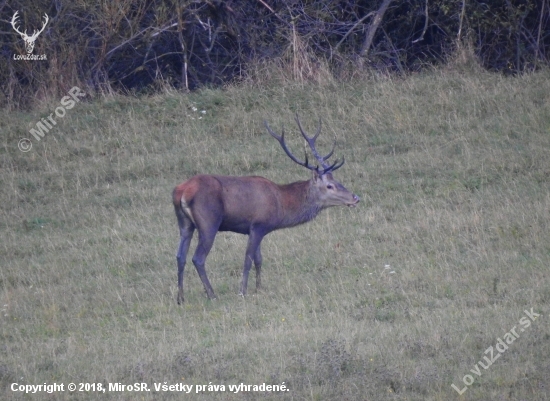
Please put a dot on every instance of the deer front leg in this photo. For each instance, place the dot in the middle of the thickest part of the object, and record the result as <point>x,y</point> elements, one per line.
<point>252,254</point>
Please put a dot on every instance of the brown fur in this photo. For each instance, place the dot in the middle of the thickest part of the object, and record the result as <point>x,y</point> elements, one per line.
<point>253,206</point>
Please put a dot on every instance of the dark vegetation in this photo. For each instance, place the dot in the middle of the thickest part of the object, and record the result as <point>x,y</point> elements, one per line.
<point>139,46</point>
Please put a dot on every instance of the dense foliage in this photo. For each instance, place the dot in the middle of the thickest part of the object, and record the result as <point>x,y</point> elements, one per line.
<point>131,45</point>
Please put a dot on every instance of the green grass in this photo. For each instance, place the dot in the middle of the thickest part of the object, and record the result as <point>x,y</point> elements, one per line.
<point>396,299</point>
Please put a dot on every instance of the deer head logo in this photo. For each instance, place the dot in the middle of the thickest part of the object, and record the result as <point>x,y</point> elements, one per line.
<point>29,40</point>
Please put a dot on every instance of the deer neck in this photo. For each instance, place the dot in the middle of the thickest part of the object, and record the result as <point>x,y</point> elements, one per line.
<point>300,203</point>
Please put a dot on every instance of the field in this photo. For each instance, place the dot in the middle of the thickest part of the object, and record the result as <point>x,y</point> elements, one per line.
<point>400,298</point>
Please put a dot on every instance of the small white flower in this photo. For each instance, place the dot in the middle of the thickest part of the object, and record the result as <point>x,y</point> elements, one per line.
<point>392,272</point>
<point>387,266</point>
<point>194,108</point>
<point>203,111</point>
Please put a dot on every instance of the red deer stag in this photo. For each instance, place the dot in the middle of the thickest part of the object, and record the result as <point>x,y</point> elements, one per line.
<point>253,206</point>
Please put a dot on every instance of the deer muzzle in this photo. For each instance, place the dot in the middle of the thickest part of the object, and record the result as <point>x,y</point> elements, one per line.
<point>355,201</point>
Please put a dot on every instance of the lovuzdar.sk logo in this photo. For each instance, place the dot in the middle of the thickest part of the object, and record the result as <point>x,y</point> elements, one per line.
<point>29,39</point>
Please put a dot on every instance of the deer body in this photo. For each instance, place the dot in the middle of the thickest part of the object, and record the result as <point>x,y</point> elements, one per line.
<point>254,206</point>
<point>267,204</point>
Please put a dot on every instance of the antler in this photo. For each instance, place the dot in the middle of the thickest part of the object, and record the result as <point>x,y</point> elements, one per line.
<point>36,33</point>
<point>321,159</point>
<point>14,22</point>
<point>24,34</point>
<point>311,142</point>
<point>281,140</point>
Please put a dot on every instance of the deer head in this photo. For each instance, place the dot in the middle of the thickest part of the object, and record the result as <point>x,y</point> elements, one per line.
<point>29,40</point>
<point>328,191</point>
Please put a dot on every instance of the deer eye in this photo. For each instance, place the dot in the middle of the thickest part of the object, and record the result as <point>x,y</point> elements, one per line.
<point>329,186</point>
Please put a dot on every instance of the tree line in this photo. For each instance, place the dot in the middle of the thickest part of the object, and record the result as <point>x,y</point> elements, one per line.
<point>138,46</point>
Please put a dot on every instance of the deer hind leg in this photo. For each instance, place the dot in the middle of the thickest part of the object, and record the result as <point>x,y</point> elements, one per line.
<point>206,240</point>
<point>186,234</point>
<point>258,266</point>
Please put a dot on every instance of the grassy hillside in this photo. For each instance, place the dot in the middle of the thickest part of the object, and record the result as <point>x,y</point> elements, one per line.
<point>397,299</point>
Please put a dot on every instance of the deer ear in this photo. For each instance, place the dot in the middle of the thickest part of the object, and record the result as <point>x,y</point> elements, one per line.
<point>315,175</point>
